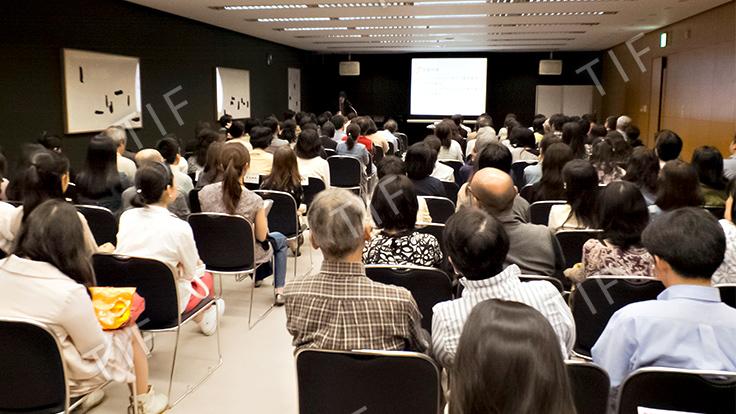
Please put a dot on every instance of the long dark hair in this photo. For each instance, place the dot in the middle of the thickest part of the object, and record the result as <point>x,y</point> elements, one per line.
<point>151,180</point>
<point>100,176</point>
<point>53,233</point>
<point>622,214</point>
<point>602,157</point>
<point>42,179</point>
<point>678,186</point>
<point>212,170</point>
<point>509,361</point>
<point>643,169</point>
<point>551,186</point>
<point>353,132</point>
<point>234,159</point>
<point>581,180</point>
<point>205,138</point>
<point>443,131</point>
<point>574,136</point>
<point>284,172</point>
<point>708,163</point>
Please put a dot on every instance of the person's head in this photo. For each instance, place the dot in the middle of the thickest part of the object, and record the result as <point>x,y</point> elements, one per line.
<point>364,123</point>
<point>204,139</point>
<point>581,190</point>
<point>234,163</point>
<point>391,126</point>
<point>117,133</point>
<point>100,172</point>
<point>708,163</point>
<point>337,221</point>
<point>643,169</point>
<point>394,204</point>
<point>237,129</point>
<point>622,214</point>
<point>289,114</point>
<point>484,137</point>
<point>169,149</point>
<point>598,131</point>
<point>477,244</point>
<point>602,155</point>
<point>433,142</point>
<point>285,171</point>
<point>51,142</point>
<point>493,191</point>
<point>494,156</point>
<point>668,145</point>
<point>633,133</point>
<point>678,186</point>
<point>538,124</point>
<point>611,122</point>
<point>574,136</point>
<point>272,124</point>
<point>53,233</point>
<point>484,120</point>
<point>308,145</point>
<point>342,96</point>
<point>621,147</point>
<point>147,155</point>
<point>251,123</point>
<point>508,360</point>
<point>310,125</point>
<point>420,160</point>
<point>46,177</point>
<point>225,121</point>
<point>522,138</point>
<point>443,131</point>
<point>557,121</point>
<point>338,120</point>
<point>353,133</point>
<point>327,129</point>
<point>688,246</point>
<point>154,183</point>
<point>622,123</point>
<point>389,165</point>
<point>260,137</point>
<point>212,168</point>
<point>552,186</point>
<point>548,140</point>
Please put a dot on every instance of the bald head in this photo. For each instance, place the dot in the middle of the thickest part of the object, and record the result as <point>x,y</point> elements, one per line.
<point>148,155</point>
<point>494,190</point>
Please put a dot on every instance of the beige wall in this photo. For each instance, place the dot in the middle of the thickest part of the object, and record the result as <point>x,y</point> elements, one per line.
<point>700,87</point>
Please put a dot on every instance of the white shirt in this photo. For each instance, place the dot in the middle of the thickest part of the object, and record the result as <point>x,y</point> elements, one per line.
<point>726,273</point>
<point>455,152</point>
<point>182,181</point>
<point>181,165</point>
<point>559,219</point>
<point>127,167</point>
<point>450,316</point>
<point>315,167</point>
<point>443,172</point>
<point>153,232</point>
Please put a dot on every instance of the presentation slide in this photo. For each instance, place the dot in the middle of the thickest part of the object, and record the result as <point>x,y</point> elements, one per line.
<point>448,86</point>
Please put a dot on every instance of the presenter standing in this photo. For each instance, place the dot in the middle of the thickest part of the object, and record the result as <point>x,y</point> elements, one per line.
<point>346,108</point>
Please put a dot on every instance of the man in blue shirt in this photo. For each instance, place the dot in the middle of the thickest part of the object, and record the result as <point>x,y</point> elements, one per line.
<point>687,326</point>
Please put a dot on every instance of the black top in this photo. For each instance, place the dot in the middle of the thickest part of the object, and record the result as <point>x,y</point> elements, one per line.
<point>429,186</point>
<point>328,142</point>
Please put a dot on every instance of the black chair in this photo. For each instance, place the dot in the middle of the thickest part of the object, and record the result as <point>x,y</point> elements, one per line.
<point>535,278</point>
<point>193,197</point>
<point>311,190</point>
<point>33,369</point>
<point>403,141</point>
<point>428,285</point>
<point>451,190</point>
<point>155,282</point>
<point>391,148</point>
<point>440,208</point>
<point>378,154</point>
<point>338,382</point>
<point>517,172</point>
<point>728,293</point>
<point>572,241</point>
<point>539,211</point>
<point>71,194</point>
<point>283,217</point>
<point>527,192</point>
<point>712,392</point>
<point>717,211</point>
<point>226,245</point>
<point>345,172</point>
<point>329,152</point>
<point>455,165</point>
<point>589,385</point>
<point>597,298</point>
<point>101,222</point>
<point>252,183</point>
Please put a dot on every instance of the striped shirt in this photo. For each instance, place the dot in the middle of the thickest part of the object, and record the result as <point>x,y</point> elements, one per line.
<point>450,316</point>
<point>341,309</point>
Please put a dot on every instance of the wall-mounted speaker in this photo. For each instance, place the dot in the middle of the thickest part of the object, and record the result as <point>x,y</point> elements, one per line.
<point>349,68</point>
<point>550,67</point>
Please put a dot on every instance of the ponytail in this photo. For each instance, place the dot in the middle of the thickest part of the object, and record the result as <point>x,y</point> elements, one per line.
<point>233,160</point>
<point>150,182</point>
<point>42,179</point>
<point>353,132</point>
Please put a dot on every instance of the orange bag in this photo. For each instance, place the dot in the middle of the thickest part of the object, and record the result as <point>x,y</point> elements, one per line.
<point>115,306</point>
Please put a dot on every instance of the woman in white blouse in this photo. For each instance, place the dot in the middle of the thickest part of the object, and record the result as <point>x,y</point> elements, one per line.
<point>450,150</point>
<point>151,231</point>
<point>308,149</point>
<point>45,280</point>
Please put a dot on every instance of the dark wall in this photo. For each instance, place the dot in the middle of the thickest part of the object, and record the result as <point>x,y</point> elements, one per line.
<point>383,86</point>
<point>173,51</point>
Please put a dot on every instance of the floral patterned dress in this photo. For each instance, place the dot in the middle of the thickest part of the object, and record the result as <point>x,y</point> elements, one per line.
<point>405,248</point>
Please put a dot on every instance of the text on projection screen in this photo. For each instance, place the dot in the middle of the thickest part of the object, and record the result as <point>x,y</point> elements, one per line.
<point>448,86</point>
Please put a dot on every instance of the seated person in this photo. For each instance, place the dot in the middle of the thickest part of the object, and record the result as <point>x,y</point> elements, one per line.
<point>524,145</point>
<point>261,161</point>
<point>326,134</point>
<point>46,280</point>
<point>339,308</point>
<point>508,358</point>
<point>726,273</point>
<point>238,134</point>
<point>420,162</point>
<point>276,142</point>
<point>687,326</point>
<point>533,173</point>
<point>441,171</point>
<point>668,146</point>
<point>351,147</point>
<point>285,174</point>
<point>125,165</point>
<point>708,162</point>
<point>581,191</point>
<point>308,150</point>
<point>394,209</point>
<point>99,182</point>
<point>552,186</point>
<point>623,216</point>
<point>393,165</point>
<point>477,245</point>
<point>533,248</point>
<point>677,186</point>
<point>151,231</point>
<point>178,207</point>
<point>450,149</point>
<point>169,149</point>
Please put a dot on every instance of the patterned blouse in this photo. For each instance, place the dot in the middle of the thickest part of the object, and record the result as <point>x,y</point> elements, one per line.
<point>727,272</point>
<point>405,248</point>
<point>603,258</point>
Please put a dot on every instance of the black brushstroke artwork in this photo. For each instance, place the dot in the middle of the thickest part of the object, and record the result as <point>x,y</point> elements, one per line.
<point>118,92</point>
<point>99,112</point>
<point>109,105</point>
<point>136,119</point>
<point>128,100</point>
<point>81,75</point>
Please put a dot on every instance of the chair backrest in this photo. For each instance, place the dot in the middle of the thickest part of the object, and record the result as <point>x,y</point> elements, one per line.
<point>15,203</point>
<point>337,382</point>
<point>329,152</point>
<point>728,294</point>
<point>456,166</point>
<point>284,216</point>
<point>451,190</point>
<point>71,194</point>
<point>717,211</point>
<point>101,222</point>
<point>440,208</point>
<point>34,379</point>
<point>712,392</point>
<point>539,211</point>
<point>391,148</point>
<point>311,190</point>
<point>378,154</point>
<point>597,298</point>
<point>153,280</point>
<point>572,241</point>
<point>403,140</point>
<point>429,286</point>
<point>589,385</point>
<point>535,278</point>
<point>224,242</point>
<point>527,192</point>
<point>194,205</point>
<point>344,171</point>
<point>517,172</point>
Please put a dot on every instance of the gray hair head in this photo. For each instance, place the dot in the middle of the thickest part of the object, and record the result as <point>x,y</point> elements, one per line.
<point>117,133</point>
<point>336,219</point>
<point>623,122</point>
<point>486,136</point>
